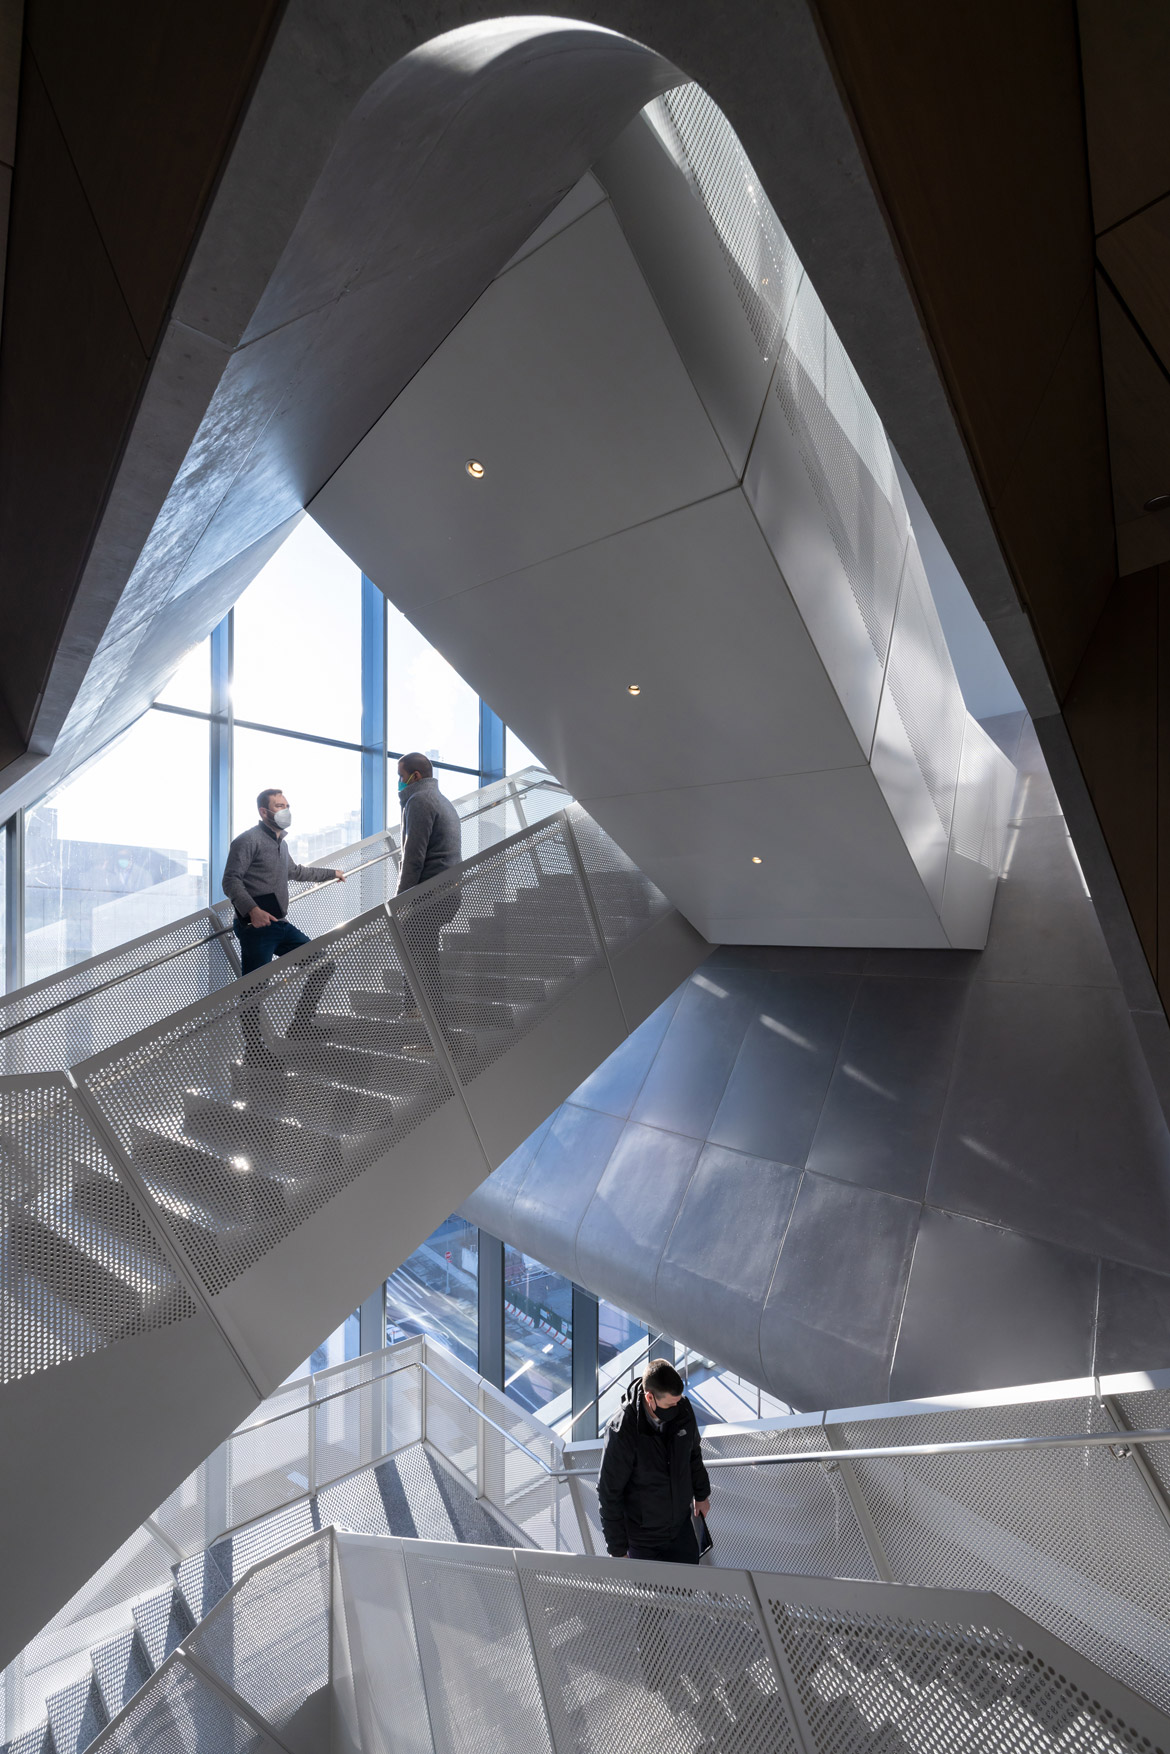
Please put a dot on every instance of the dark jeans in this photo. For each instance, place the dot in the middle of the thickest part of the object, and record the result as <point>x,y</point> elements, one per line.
<point>259,944</point>
<point>683,1550</point>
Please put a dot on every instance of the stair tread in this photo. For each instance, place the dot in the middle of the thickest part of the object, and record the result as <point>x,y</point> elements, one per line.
<point>120,1666</point>
<point>76,1714</point>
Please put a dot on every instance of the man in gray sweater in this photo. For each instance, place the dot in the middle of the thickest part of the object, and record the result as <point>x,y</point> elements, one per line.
<point>255,881</point>
<point>432,841</point>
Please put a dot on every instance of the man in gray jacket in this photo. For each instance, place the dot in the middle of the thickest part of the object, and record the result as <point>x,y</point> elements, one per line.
<point>432,841</point>
<point>255,881</point>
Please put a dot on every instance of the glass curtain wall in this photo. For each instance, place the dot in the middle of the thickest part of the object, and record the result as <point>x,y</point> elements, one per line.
<point>436,1291</point>
<point>121,848</point>
<point>538,1332</point>
<point>136,838</point>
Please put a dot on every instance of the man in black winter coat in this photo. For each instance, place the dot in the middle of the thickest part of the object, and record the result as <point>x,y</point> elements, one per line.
<point>652,1472</point>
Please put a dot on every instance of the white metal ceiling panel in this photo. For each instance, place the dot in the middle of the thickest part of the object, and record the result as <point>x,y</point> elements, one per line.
<point>563,382</point>
<point>690,609</point>
<point>833,863</point>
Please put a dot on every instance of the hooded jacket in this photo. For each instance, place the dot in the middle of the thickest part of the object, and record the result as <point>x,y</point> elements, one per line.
<point>648,1478</point>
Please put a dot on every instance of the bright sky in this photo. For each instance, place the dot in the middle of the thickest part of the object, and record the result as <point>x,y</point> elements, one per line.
<point>297,663</point>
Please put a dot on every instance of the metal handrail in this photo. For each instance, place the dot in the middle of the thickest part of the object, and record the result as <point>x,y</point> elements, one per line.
<point>1119,1440</point>
<point>226,931</point>
<point>129,974</point>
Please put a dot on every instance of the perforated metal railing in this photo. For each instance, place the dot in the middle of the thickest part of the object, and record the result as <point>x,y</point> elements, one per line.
<point>315,1440</point>
<point>352,1641</point>
<point>172,1159</point>
<point>1073,1532</point>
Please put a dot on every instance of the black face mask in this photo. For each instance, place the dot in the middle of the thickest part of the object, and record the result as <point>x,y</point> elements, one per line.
<point>667,1415</point>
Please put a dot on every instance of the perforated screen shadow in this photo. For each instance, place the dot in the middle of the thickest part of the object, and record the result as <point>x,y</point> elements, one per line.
<point>876,1681</point>
<point>94,1020</point>
<point>648,1665</point>
<point>480,1676</point>
<point>80,1265</point>
<point>269,1640</point>
<point>179,1713</point>
<point>1070,1536</point>
<point>246,1118</point>
<point>473,941</point>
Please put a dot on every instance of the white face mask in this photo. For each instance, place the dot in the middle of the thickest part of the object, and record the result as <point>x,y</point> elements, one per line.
<point>282,818</point>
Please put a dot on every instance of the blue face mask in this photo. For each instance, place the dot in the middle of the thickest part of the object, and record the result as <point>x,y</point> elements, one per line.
<point>403,787</point>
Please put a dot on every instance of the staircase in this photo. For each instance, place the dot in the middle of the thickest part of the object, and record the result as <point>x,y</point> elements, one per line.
<point>466,1597</point>
<point>200,1174</point>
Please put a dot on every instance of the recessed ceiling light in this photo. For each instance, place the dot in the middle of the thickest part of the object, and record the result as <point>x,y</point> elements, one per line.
<point>756,859</point>
<point>634,688</point>
<point>1158,504</point>
<point>475,470</point>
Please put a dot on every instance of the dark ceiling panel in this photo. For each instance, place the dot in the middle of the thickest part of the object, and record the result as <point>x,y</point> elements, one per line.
<point>1136,257</point>
<point>971,118</point>
<point>70,370</point>
<point>146,97</point>
<point>1125,49</point>
<point>1055,515</point>
<point>1138,396</point>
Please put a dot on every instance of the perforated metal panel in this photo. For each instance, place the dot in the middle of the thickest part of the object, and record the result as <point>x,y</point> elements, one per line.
<point>983,800</point>
<point>80,1264</point>
<point>1071,1536</point>
<point>247,1116</point>
<point>632,1662</point>
<point>626,901</point>
<point>869,1681</point>
<point>478,1668</point>
<point>269,1641</point>
<point>1150,1411</point>
<point>178,1712</point>
<point>763,265</point>
<point>925,690</point>
<point>516,904</point>
<point>92,1023</point>
<point>267,1466</point>
<point>796,1520</point>
<point>865,515</point>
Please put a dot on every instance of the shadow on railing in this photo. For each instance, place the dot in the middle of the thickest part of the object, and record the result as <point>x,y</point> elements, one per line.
<point>407,1643</point>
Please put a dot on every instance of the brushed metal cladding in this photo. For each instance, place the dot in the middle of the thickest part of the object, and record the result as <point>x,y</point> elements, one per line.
<point>683,258</point>
<point>592,381</point>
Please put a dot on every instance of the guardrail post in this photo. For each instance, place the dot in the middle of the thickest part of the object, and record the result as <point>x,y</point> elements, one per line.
<point>490,1471</point>
<point>836,1439</point>
<point>311,1439</point>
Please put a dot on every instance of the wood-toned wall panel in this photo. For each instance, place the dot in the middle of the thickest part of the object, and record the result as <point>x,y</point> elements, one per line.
<point>973,122</point>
